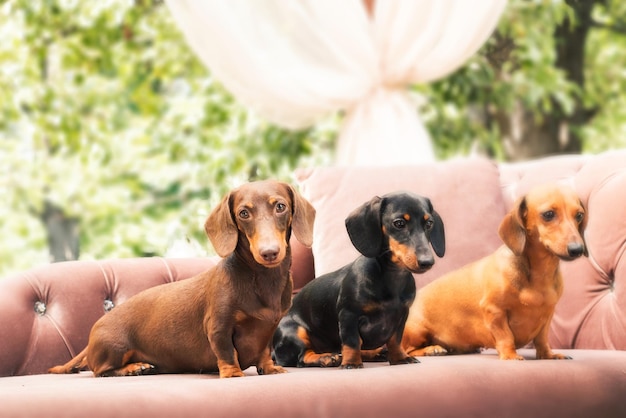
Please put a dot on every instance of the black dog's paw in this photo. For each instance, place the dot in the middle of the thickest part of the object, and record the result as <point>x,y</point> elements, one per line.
<point>382,356</point>
<point>405,360</point>
<point>349,366</point>
<point>332,360</point>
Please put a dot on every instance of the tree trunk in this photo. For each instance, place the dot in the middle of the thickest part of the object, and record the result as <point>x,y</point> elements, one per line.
<point>524,134</point>
<point>63,233</point>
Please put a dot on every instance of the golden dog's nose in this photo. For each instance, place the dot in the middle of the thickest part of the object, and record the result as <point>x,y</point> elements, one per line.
<point>575,249</point>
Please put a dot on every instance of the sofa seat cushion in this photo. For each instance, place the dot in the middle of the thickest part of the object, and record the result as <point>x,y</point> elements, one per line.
<point>465,192</point>
<point>476,385</point>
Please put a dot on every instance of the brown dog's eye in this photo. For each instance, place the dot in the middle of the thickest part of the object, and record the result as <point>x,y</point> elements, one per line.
<point>281,207</point>
<point>579,217</point>
<point>244,214</point>
<point>399,223</point>
<point>548,215</point>
<point>428,225</point>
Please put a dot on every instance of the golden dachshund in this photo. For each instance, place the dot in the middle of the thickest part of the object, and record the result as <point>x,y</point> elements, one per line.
<point>507,299</point>
<point>222,319</point>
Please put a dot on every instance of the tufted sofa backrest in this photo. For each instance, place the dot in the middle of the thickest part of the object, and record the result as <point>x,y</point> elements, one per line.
<point>592,310</point>
<point>46,313</point>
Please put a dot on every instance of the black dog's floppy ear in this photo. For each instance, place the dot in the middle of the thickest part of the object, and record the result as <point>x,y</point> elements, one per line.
<point>303,218</point>
<point>437,235</point>
<point>221,228</point>
<point>364,228</point>
<point>512,229</point>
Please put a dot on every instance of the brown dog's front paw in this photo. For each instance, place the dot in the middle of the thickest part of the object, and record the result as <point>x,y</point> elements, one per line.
<point>230,371</point>
<point>273,369</point>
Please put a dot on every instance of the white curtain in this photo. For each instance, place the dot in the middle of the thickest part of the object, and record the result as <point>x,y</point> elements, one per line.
<point>296,61</point>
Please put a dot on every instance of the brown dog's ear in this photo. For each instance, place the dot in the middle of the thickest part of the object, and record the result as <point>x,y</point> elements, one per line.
<point>364,228</point>
<point>221,228</point>
<point>512,228</point>
<point>303,218</point>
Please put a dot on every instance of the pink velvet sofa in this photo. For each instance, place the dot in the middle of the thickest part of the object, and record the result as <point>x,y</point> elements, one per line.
<point>46,314</point>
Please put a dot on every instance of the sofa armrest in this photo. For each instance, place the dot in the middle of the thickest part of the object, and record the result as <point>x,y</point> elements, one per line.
<point>47,312</point>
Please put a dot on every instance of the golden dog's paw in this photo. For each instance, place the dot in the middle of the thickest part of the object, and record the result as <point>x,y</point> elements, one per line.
<point>553,356</point>
<point>511,356</point>
<point>435,350</point>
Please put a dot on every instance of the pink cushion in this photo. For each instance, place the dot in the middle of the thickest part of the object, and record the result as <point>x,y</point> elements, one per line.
<point>465,192</point>
<point>473,385</point>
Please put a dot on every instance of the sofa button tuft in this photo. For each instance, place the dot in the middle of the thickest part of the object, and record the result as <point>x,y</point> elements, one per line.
<point>40,308</point>
<point>108,305</point>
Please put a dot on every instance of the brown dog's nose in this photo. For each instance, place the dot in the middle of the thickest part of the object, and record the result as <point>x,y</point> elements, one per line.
<point>269,254</point>
<point>575,250</point>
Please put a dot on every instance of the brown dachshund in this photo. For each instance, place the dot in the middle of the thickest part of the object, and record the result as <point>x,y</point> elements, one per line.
<point>506,299</point>
<point>222,319</point>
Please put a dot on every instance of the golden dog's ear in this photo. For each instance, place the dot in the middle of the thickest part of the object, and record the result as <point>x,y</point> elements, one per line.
<point>303,218</point>
<point>221,228</point>
<point>581,229</point>
<point>512,229</point>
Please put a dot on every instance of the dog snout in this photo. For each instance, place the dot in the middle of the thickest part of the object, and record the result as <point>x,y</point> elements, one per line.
<point>269,253</point>
<point>575,249</point>
<point>426,263</point>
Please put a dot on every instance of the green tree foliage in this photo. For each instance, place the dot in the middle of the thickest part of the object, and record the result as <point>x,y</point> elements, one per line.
<point>529,82</point>
<point>107,115</point>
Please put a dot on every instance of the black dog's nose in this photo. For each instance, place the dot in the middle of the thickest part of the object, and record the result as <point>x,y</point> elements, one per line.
<point>575,249</point>
<point>426,263</point>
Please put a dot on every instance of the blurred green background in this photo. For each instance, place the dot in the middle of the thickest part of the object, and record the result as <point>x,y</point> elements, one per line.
<point>115,141</point>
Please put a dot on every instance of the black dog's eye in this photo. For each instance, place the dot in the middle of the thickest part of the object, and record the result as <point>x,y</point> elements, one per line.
<point>579,217</point>
<point>548,215</point>
<point>281,207</point>
<point>399,223</point>
<point>428,225</point>
<point>244,214</point>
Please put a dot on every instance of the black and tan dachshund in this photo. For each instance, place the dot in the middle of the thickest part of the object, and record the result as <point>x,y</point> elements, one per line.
<point>358,311</point>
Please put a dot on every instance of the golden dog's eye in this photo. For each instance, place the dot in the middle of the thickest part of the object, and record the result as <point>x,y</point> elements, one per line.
<point>399,223</point>
<point>548,215</point>
<point>579,217</point>
<point>428,225</point>
<point>244,214</point>
<point>281,207</point>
